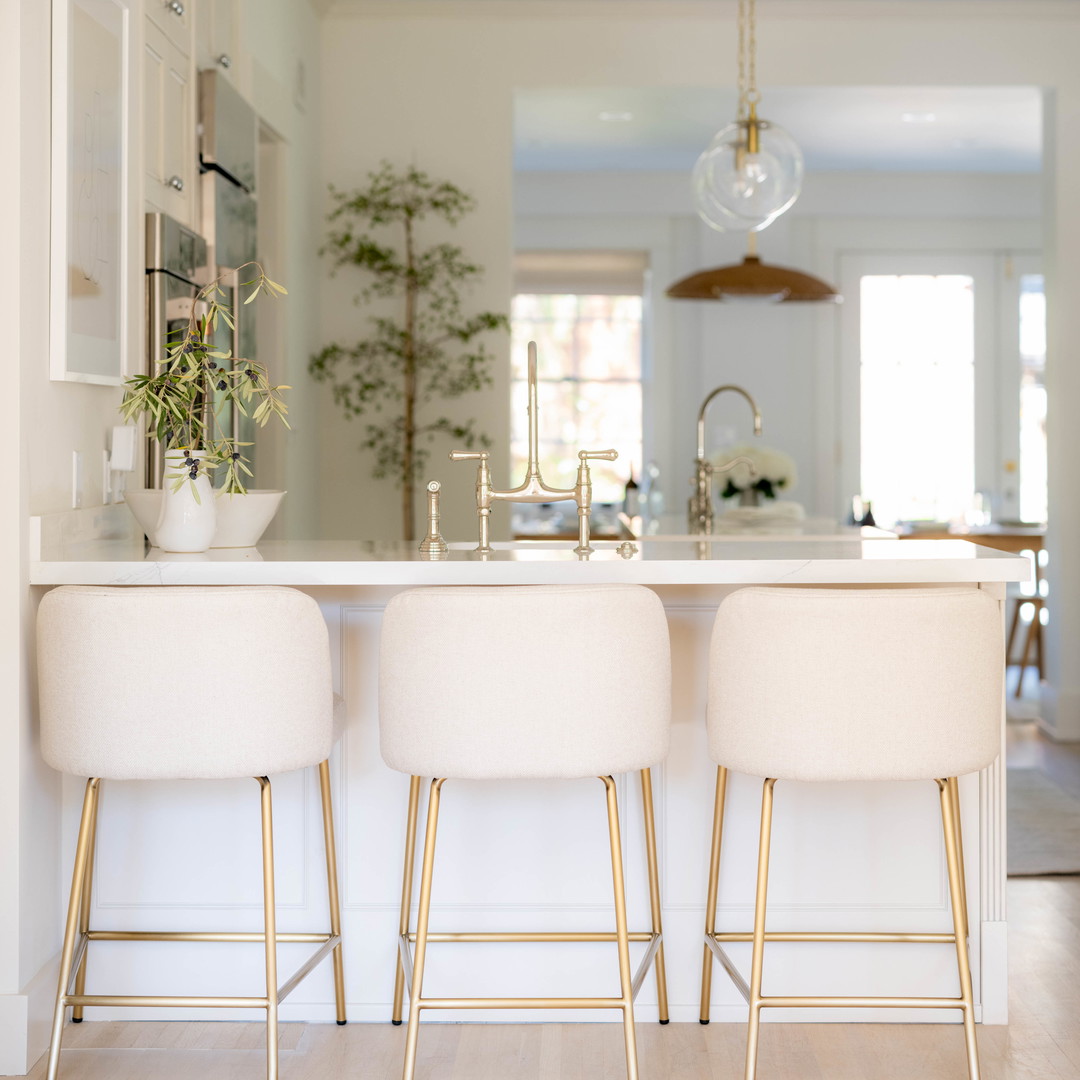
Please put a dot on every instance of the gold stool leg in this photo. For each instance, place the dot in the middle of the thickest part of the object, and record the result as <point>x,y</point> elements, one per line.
<point>270,927</point>
<point>714,885</point>
<point>332,886</point>
<point>654,891</point>
<point>954,784</point>
<point>84,910</point>
<point>954,858</point>
<point>621,931</point>
<point>424,911</point>
<point>759,929</point>
<point>67,956</point>
<point>406,892</point>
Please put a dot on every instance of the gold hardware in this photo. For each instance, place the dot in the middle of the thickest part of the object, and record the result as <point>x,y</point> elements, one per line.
<point>411,963</point>
<point>701,503</point>
<point>627,549</point>
<point>533,489</point>
<point>751,992</point>
<point>433,545</point>
<point>78,935</point>
<point>406,890</point>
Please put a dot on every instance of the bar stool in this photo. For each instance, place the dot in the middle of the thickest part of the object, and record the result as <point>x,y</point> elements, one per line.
<point>851,684</point>
<point>533,682</point>
<point>130,689</point>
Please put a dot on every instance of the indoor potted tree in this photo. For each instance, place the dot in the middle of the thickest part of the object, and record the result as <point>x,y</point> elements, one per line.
<point>183,402</point>
<point>425,349</point>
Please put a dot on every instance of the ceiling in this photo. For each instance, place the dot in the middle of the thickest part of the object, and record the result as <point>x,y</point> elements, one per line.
<point>908,129</point>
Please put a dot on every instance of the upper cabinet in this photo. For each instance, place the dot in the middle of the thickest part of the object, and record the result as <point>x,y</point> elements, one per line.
<point>217,29</point>
<point>176,19</point>
<point>170,156</point>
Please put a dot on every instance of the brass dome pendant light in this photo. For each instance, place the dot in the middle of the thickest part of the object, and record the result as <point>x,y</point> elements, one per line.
<point>749,174</point>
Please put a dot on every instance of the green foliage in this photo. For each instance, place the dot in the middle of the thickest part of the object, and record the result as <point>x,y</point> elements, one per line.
<point>195,383</point>
<point>431,351</point>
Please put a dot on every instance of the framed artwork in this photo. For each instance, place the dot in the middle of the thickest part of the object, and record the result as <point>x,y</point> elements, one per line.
<point>92,289</point>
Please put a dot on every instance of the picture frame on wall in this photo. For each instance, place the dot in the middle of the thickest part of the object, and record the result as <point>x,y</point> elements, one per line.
<point>92,289</point>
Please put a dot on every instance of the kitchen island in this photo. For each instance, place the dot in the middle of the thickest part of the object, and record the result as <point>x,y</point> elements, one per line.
<point>846,856</point>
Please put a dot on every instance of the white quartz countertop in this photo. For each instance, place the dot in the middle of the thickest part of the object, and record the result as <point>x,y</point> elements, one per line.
<point>685,561</point>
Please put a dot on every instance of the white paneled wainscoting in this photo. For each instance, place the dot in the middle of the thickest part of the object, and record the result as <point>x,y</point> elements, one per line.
<point>533,855</point>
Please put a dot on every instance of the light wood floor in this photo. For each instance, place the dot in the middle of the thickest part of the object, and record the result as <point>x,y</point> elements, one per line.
<point>1041,1043</point>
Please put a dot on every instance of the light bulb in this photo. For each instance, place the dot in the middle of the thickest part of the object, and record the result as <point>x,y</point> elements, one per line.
<point>739,191</point>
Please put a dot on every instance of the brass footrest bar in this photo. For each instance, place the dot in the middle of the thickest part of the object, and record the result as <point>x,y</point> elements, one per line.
<point>329,942</point>
<point>655,941</point>
<point>861,1003</point>
<point>522,1003</point>
<point>513,936</point>
<point>128,1001</point>
<point>910,939</point>
<point>201,935</point>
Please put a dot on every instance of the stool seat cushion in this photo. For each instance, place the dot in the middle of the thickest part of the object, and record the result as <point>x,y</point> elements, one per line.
<point>856,684</point>
<point>183,682</point>
<point>532,681</point>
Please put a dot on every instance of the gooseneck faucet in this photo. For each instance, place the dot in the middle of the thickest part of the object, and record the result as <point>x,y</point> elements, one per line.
<point>701,503</point>
<point>533,489</point>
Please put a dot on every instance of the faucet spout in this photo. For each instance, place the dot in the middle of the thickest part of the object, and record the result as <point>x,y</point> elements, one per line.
<point>704,408</point>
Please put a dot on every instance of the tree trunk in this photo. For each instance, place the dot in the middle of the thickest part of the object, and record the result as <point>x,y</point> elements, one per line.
<point>409,420</point>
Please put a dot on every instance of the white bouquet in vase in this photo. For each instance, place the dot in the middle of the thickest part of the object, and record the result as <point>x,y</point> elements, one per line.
<point>773,472</point>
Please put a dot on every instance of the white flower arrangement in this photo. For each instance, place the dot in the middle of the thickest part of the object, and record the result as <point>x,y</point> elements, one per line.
<point>775,470</point>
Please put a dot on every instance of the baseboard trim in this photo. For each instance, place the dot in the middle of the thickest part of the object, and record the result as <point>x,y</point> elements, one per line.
<point>25,1020</point>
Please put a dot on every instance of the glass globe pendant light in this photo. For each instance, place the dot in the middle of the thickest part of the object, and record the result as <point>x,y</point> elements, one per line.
<point>752,170</point>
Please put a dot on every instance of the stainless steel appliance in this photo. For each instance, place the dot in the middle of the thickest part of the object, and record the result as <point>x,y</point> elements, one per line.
<point>176,268</point>
<point>228,153</point>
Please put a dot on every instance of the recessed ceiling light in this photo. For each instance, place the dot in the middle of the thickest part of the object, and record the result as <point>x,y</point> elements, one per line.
<point>918,117</point>
<point>614,117</point>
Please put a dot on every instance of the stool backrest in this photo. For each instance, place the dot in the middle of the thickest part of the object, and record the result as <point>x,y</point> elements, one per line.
<point>856,684</point>
<point>534,681</point>
<point>183,682</point>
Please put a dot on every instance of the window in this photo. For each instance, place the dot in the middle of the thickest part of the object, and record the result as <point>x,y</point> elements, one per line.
<point>917,410</point>
<point>1032,398</point>
<point>584,311</point>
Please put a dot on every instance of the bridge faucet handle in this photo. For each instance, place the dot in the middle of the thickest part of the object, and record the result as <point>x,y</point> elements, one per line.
<point>469,455</point>
<point>597,455</point>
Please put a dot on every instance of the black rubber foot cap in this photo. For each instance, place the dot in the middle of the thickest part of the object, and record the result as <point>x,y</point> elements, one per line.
<point>396,1023</point>
<point>703,1021</point>
<point>341,1023</point>
<point>665,1021</point>
<point>76,1021</point>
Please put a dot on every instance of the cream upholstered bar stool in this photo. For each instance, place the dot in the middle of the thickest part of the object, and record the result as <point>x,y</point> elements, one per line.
<point>851,684</point>
<point>531,682</point>
<point>109,715</point>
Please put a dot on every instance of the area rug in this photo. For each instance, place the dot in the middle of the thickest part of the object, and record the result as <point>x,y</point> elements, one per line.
<point>1044,826</point>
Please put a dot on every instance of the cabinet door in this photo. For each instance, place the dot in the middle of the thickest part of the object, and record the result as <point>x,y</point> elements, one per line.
<point>174,18</point>
<point>217,29</point>
<point>168,126</point>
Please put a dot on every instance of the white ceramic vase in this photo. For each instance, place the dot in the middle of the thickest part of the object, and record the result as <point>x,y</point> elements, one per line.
<point>186,523</point>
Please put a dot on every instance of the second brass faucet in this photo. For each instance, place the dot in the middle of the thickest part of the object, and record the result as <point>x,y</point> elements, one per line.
<point>701,502</point>
<point>533,489</point>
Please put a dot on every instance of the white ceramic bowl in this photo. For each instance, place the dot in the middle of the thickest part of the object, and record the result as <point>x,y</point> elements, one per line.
<point>241,519</point>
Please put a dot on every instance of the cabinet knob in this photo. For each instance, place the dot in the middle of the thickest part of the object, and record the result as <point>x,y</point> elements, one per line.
<point>175,7</point>
<point>176,183</point>
<point>225,60</point>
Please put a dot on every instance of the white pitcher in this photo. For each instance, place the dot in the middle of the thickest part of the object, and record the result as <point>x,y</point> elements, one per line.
<point>186,523</point>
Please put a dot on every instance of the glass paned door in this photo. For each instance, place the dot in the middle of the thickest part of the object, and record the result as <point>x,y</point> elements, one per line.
<point>918,432</point>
